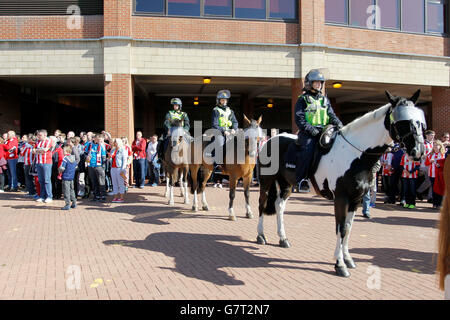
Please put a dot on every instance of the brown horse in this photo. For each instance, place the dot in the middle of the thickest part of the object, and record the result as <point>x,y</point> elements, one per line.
<point>443,265</point>
<point>176,162</point>
<point>200,171</point>
<point>242,169</point>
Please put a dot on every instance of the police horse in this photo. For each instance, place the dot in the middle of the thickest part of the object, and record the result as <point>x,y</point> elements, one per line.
<point>241,164</point>
<point>176,163</point>
<point>343,172</point>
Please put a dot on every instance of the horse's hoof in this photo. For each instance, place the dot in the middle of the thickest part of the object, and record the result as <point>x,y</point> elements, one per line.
<point>194,208</point>
<point>285,243</point>
<point>205,208</point>
<point>261,239</point>
<point>350,263</point>
<point>170,203</point>
<point>249,215</point>
<point>341,271</point>
<point>232,218</point>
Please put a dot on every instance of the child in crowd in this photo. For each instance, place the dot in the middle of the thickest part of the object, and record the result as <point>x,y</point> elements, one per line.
<point>409,177</point>
<point>67,168</point>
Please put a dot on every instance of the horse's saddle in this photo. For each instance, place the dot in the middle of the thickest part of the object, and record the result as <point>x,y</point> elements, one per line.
<point>326,141</point>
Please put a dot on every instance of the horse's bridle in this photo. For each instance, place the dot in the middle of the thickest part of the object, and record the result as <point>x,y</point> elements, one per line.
<point>406,112</point>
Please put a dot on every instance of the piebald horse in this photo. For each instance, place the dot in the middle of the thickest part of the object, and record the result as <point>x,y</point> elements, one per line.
<point>176,163</point>
<point>343,174</point>
<point>235,168</point>
<point>443,265</point>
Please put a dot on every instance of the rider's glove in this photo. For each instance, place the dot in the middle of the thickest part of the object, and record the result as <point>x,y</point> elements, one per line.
<point>315,132</point>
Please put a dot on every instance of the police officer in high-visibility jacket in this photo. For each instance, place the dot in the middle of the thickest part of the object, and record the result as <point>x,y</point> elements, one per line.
<point>313,112</point>
<point>171,116</point>
<point>223,118</point>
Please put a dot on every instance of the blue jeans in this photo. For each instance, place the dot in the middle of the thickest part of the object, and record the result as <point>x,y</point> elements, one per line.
<point>139,171</point>
<point>29,181</point>
<point>12,173</point>
<point>44,172</point>
<point>409,190</point>
<point>366,203</point>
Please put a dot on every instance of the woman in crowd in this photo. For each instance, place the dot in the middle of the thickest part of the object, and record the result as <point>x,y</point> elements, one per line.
<point>438,153</point>
<point>3,165</point>
<point>119,168</point>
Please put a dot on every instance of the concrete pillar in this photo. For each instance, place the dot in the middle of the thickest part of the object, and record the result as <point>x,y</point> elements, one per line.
<point>312,21</point>
<point>296,87</point>
<point>440,110</point>
<point>119,106</point>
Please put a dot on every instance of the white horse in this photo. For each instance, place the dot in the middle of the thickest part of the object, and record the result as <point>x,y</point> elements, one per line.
<point>344,173</point>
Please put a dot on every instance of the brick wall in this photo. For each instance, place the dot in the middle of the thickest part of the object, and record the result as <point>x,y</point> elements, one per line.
<point>168,28</point>
<point>440,110</point>
<point>117,15</point>
<point>119,110</point>
<point>386,41</point>
<point>49,27</point>
<point>312,19</point>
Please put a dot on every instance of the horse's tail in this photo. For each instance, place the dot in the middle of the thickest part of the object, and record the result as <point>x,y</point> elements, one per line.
<point>443,263</point>
<point>191,183</point>
<point>270,206</point>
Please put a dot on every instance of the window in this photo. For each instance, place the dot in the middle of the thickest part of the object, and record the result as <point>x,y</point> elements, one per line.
<point>336,11</point>
<point>285,9</point>
<point>250,9</point>
<point>358,12</point>
<point>389,13</point>
<point>154,6</point>
<point>435,16</point>
<point>183,7</point>
<point>239,9</point>
<point>415,16</point>
<point>218,7</point>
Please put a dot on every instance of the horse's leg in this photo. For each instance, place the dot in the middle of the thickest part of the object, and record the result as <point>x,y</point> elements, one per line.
<point>340,211</point>
<point>247,182</point>
<point>207,174</point>
<point>233,182</point>
<point>194,186</point>
<point>185,186</point>
<point>348,227</point>
<point>280,206</point>
<point>167,185</point>
<point>180,182</point>
<point>263,196</point>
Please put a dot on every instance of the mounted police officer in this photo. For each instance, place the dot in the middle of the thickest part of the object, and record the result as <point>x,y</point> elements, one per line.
<point>171,116</point>
<point>223,118</point>
<point>313,112</point>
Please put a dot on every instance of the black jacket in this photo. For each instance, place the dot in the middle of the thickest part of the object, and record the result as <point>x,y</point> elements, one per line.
<point>300,118</point>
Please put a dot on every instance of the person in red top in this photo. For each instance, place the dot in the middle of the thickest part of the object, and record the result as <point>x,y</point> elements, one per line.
<point>3,165</point>
<point>410,169</point>
<point>57,158</point>
<point>139,158</point>
<point>43,158</point>
<point>425,187</point>
<point>438,153</point>
<point>28,158</point>
<point>386,162</point>
<point>12,155</point>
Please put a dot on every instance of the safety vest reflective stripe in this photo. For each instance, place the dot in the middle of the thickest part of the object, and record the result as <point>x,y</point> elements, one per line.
<point>316,112</point>
<point>177,116</point>
<point>224,117</point>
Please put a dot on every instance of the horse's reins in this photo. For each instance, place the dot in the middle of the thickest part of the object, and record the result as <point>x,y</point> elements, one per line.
<point>362,151</point>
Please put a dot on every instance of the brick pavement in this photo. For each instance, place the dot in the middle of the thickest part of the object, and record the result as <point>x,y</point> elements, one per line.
<point>144,249</point>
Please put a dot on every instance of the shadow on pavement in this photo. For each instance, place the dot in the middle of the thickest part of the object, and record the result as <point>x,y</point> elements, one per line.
<point>404,221</point>
<point>201,256</point>
<point>400,259</point>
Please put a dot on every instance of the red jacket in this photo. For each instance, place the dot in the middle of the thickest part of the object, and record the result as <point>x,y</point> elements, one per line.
<point>439,182</point>
<point>139,150</point>
<point>3,151</point>
<point>10,144</point>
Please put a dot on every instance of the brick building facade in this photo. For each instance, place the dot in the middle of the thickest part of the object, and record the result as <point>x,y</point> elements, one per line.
<point>134,61</point>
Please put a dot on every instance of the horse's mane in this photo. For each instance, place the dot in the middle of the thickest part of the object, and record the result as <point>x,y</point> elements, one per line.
<point>366,119</point>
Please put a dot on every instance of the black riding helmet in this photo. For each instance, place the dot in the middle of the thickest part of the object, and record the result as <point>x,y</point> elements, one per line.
<point>314,75</point>
<point>222,94</point>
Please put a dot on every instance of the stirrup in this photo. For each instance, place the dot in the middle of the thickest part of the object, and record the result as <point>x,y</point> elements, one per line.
<point>302,187</point>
